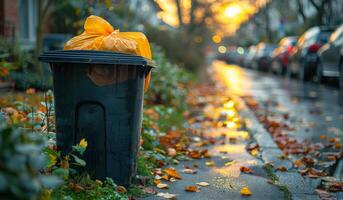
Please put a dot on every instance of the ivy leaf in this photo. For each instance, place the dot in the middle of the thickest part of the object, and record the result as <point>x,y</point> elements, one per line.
<point>61,172</point>
<point>79,161</point>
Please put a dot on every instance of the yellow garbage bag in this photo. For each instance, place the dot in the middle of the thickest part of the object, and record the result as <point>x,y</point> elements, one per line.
<point>100,35</point>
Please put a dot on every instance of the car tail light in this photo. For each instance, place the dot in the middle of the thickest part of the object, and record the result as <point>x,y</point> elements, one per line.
<point>314,48</point>
<point>289,49</point>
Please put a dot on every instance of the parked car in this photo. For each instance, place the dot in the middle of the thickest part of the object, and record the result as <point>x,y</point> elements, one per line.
<point>263,57</point>
<point>232,55</point>
<point>247,62</point>
<point>280,57</point>
<point>304,58</point>
<point>331,57</point>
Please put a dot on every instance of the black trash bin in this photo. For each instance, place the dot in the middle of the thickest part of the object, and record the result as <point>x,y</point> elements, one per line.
<point>99,97</point>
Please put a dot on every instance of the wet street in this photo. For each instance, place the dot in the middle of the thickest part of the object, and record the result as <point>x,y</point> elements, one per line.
<point>313,109</point>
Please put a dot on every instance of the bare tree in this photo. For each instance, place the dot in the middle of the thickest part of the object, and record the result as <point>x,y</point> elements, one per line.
<point>43,7</point>
<point>301,10</point>
<point>322,8</point>
<point>179,13</point>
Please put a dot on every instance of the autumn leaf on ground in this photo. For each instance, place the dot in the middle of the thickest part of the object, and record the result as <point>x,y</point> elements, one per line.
<point>173,173</point>
<point>298,163</point>
<point>233,140</point>
<point>194,154</point>
<point>252,146</point>
<point>246,170</point>
<point>254,152</point>
<point>171,152</point>
<point>162,186</point>
<point>166,195</point>
<point>245,191</point>
<point>157,181</point>
<point>230,163</point>
<point>191,188</point>
<point>165,177</point>
<point>281,168</point>
<point>210,164</point>
<point>149,190</point>
<point>312,173</point>
<point>189,171</point>
<point>158,177</point>
<point>203,184</point>
<point>324,194</point>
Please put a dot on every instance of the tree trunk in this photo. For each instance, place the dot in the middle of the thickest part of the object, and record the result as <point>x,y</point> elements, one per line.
<point>179,13</point>
<point>301,10</point>
<point>268,32</point>
<point>43,6</point>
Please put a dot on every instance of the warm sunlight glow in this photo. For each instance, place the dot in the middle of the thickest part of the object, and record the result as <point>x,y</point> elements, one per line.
<point>227,17</point>
<point>232,11</point>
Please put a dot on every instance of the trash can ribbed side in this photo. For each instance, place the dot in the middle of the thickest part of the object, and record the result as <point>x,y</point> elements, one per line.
<point>108,117</point>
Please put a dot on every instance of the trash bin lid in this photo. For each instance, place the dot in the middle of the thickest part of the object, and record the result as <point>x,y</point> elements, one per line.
<point>94,57</point>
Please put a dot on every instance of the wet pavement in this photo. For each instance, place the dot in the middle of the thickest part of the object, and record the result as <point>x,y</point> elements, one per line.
<point>313,111</point>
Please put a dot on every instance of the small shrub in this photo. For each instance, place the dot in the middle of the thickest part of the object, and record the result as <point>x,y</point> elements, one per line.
<point>21,161</point>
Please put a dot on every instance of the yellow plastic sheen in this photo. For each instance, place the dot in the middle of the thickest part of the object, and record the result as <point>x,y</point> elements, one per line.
<point>100,35</point>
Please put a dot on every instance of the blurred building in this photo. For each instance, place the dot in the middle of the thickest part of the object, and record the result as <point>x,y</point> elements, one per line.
<point>18,18</point>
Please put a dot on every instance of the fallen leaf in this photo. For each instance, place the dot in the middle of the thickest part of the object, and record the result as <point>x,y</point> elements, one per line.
<point>245,191</point>
<point>281,168</point>
<point>121,189</point>
<point>298,163</point>
<point>162,186</point>
<point>246,170</point>
<point>158,177</point>
<point>252,146</point>
<point>194,154</point>
<point>230,163</point>
<point>324,194</point>
<point>203,184</point>
<point>166,195</point>
<point>191,188</point>
<point>172,172</point>
<point>171,152</point>
<point>172,179</point>
<point>149,190</point>
<point>157,181</point>
<point>189,171</point>
<point>210,164</point>
<point>165,177</point>
<point>232,140</point>
<point>254,152</point>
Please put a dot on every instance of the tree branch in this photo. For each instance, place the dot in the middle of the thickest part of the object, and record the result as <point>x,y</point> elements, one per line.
<point>179,12</point>
<point>315,4</point>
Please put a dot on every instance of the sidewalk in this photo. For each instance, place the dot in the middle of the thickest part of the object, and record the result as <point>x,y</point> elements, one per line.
<point>231,166</point>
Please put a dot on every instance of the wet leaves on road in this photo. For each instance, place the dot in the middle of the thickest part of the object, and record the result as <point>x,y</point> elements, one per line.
<point>245,191</point>
<point>203,184</point>
<point>166,195</point>
<point>172,172</point>
<point>191,188</point>
<point>162,186</point>
<point>246,170</point>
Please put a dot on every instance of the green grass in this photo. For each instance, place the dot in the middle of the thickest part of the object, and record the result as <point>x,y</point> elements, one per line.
<point>87,189</point>
<point>275,180</point>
